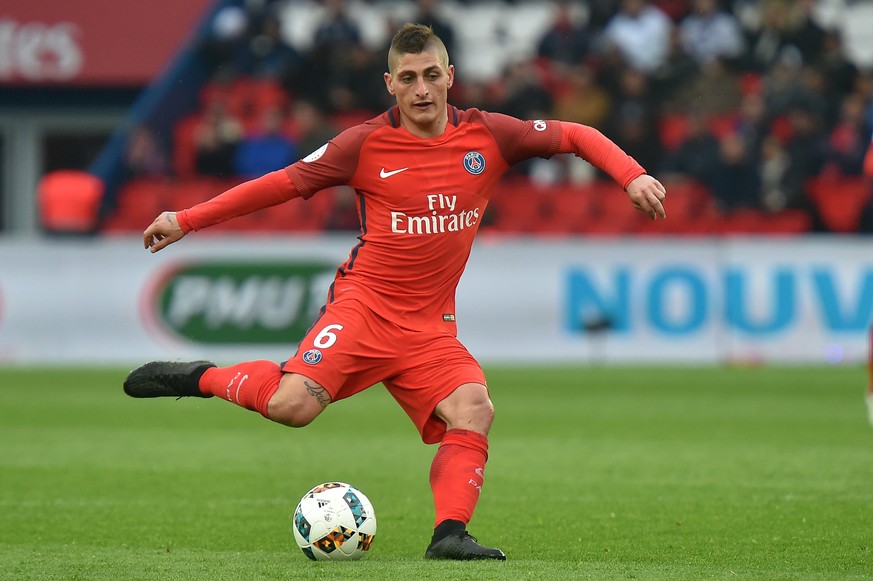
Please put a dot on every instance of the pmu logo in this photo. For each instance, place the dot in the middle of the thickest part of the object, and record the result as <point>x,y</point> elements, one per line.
<point>241,302</point>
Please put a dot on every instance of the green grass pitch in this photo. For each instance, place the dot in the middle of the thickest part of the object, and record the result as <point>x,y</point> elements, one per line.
<point>595,473</point>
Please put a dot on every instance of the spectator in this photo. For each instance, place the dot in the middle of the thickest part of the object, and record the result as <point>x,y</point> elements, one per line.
<point>600,12</point>
<point>357,86</point>
<point>581,99</point>
<point>332,42</point>
<point>633,119</point>
<point>524,97</point>
<point>833,65</point>
<point>224,39</point>
<point>709,33</point>
<point>265,150</point>
<point>143,154</point>
<point>428,14</point>
<point>804,32</point>
<point>697,157</point>
<point>215,140</point>
<point>676,10</point>
<point>633,131</point>
<point>751,123</point>
<point>267,55</point>
<point>313,128</point>
<point>523,93</point>
<point>639,34</point>
<point>849,138</point>
<point>805,148</point>
<point>338,31</point>
<point>567,41</point>
<point>783,84</point>
<point>736,179</point>
<point>774,169</point>
<point>782,24</point>
<point>676,71</point>
<point>714,87</point>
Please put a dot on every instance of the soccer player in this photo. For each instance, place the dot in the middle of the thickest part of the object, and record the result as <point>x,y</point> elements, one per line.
<point>423,173</point>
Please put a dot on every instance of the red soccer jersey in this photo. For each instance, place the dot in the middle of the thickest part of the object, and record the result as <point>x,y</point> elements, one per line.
<point>421,202</point>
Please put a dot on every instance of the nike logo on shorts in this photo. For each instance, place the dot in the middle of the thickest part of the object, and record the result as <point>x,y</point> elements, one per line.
<point>387,174</point>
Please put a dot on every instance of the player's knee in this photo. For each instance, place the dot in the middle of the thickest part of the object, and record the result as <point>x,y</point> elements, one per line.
<point>484,410</point>
<point>469,407</point>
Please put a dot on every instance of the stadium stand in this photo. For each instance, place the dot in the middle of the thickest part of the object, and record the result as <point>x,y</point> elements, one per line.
<point>492,37</point>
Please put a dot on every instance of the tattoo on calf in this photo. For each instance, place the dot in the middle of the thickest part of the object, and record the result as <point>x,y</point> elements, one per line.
<point>318,392</point>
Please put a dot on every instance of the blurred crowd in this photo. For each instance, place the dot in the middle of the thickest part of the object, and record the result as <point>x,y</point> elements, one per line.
<point>751,98</point>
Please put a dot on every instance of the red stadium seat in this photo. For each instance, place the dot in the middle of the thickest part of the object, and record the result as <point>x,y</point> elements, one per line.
<point>517,206</point>
<point>613,214</point>
<point>184,148</point>
<point>839,200</point>
<point>787,222</point>
<point>570,208</point>
<point>69,201</point>
<point>672,130</point>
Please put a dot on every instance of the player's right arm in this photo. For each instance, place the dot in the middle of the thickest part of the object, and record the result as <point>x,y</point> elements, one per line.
<point>268,190</point>
<point>331,165</point>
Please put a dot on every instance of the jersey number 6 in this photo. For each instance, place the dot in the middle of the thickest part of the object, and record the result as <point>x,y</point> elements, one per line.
<point>326,337</point>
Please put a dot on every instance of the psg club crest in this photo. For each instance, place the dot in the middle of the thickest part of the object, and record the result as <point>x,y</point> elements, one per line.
<point>312,356</point>
<point>474,162</point>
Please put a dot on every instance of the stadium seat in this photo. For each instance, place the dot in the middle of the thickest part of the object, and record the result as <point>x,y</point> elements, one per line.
<point>136,205</point>
<point>184,148</point>
<point>612,212</point>
<point>569,209</point>
<point>672,130</point>
<point>742,222</point>
<point>840,200</point>
<point>787,222</point>
<point>69,201</point>
<point>516,207</point>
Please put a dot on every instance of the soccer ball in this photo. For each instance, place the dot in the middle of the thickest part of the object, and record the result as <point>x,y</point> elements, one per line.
<point>334,522</point>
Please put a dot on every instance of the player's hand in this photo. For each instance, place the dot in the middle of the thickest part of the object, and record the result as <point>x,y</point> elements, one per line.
<point>162,232</point>
<point>647,194</point>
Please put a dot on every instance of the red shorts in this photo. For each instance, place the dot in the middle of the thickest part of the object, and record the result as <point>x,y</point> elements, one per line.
<point>350,348</point>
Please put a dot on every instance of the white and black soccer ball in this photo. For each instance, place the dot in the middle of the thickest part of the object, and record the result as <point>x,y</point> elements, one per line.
<point>334,522</point>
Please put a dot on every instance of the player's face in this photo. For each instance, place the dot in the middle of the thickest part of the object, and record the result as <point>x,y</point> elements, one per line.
<point>420,84</point>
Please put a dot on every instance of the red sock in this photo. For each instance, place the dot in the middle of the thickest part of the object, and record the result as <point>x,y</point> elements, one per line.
<point>249,385</point>
<point>457,474</point>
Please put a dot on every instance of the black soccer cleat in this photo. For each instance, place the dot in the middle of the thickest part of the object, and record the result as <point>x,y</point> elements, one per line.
<point>461,546</point>
<point>166,379</point>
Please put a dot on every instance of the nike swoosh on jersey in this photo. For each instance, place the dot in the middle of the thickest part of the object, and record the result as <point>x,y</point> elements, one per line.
<point>387,174</point>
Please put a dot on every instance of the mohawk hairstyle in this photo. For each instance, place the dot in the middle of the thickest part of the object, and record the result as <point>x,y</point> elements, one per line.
<point>415,39</point>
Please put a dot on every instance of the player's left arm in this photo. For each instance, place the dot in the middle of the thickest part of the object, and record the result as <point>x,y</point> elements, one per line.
<point>519,140</point>
<point>645,192</point>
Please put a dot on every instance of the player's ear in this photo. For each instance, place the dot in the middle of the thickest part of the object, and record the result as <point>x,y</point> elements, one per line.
<point>451,75</point>
<point>389,83</point>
